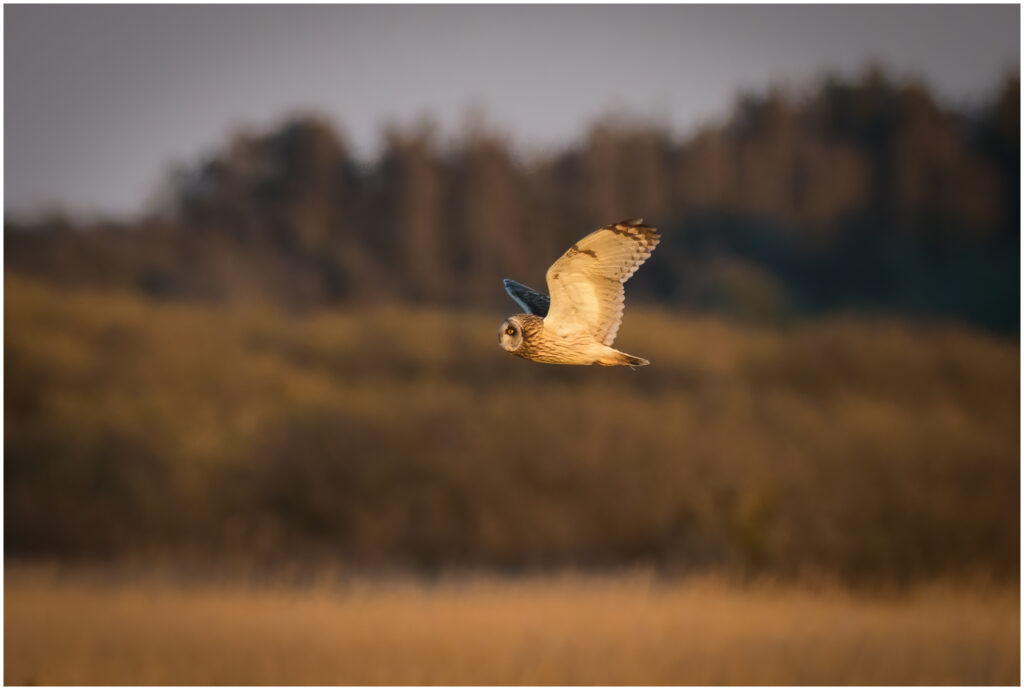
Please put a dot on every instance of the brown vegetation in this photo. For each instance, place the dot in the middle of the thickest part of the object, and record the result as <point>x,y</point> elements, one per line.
<point>562,631</point>
<point>226,384</point>
<point>864,450</point>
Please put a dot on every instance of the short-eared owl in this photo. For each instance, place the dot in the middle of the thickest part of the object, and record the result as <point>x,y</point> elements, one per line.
<point>578,323</point>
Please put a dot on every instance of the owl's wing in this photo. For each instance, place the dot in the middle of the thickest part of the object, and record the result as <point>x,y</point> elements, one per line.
<point>531,301</point>
<point>586,283</point>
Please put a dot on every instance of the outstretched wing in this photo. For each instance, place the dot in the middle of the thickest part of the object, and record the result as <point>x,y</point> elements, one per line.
<point>586,283</point>
<point>531,301</point>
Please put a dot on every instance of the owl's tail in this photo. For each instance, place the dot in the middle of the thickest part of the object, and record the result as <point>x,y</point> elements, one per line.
<point>621,359</point>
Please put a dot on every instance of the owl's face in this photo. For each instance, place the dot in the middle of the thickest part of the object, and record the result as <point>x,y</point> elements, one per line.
<point>511,334</point>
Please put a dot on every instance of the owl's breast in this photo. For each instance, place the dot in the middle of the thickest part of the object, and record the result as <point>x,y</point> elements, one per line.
<point>550,347</point>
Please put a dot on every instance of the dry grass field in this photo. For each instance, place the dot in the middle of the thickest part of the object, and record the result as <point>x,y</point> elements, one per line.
<point>553,630</point>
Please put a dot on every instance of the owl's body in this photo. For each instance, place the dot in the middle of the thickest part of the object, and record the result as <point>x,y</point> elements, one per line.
<point>580,320</point>
<point>544,345</point>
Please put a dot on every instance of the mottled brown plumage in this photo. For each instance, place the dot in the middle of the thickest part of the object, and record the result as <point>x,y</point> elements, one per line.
<point>587,300</point>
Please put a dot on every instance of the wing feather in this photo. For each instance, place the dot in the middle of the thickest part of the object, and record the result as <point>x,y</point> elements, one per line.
<point>531,301</point>
<point>586,283</point>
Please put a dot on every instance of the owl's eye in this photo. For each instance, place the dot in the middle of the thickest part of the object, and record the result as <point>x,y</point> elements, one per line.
<point>510,331</point>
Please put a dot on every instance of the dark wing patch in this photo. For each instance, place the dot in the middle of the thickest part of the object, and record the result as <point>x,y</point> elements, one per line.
<point>574,250</point>
<point>530,300</point>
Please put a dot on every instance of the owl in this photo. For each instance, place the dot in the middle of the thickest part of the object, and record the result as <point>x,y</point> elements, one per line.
<point>578,322</point>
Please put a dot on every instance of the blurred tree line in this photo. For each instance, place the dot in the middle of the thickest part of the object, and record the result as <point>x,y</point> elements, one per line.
<point>860,194</point>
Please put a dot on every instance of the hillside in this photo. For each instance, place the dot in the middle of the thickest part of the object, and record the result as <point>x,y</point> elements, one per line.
<point>860,451</point>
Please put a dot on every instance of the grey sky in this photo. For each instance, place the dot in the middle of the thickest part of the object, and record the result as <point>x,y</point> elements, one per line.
<point>100,100</point>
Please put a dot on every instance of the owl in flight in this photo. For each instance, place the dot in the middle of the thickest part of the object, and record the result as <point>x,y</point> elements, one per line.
<point>578,322</point>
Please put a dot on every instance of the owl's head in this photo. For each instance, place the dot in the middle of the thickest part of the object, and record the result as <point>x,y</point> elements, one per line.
<point>510,336</point>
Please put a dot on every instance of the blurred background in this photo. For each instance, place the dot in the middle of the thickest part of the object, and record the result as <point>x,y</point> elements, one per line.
<point>253,262</point>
